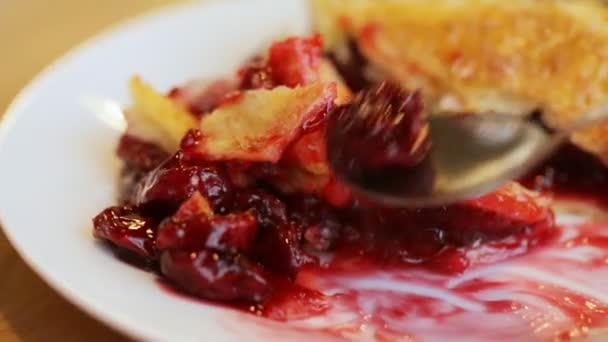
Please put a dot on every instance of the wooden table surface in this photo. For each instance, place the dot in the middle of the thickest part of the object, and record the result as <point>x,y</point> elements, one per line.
<point>32,34</point>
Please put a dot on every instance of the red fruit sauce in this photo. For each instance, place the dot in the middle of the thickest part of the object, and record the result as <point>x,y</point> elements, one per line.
<point>572,174</point>
<point>296,257</point>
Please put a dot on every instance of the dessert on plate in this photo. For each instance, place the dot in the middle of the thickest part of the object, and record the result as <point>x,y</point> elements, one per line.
<point>226,191</point>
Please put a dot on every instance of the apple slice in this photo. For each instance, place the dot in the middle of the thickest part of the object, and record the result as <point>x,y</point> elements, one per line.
<point>156,118</point>
<point>261,124</point>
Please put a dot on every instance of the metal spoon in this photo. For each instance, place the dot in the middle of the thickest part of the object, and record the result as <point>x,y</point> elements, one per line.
<point>471,155</point>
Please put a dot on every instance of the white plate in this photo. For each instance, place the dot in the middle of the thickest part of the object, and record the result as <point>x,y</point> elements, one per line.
<point>58,168</point>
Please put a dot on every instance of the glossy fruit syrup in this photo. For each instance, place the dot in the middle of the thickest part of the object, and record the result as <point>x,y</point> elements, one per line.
<point>494,268</point>
<point>296,258</point>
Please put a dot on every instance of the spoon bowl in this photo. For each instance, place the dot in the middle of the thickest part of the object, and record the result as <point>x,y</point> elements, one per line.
<point>470,155</point>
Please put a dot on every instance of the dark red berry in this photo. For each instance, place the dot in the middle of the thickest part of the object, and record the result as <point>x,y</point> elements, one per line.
<point>269,210</point>
<point>279,247</point>
<point>178,178</point>
<point>383,127</point>
<point>126,228</point>
<point>197,205</point>
<point>217,276</point>
<point>235,232</point>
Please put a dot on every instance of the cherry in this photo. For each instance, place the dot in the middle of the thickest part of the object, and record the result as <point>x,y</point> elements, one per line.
<point>197,205</point>
<point>178,178</point>
<point>279,247</point>
<point>383,127</point>
<point>234,232</point>
<point>268,209</point>
<point>320,224</point>
<point>125,227</point>
<point>216,275</point>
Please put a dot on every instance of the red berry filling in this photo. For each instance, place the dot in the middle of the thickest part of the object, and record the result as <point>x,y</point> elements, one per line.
<point>178,178</point>
<point>242,230</point>
<point>220,241</point>
<point>383,127</point>
<point>232,232</point>
<point>127,228</point>
<point>216,275</point>
<point>293,62</point>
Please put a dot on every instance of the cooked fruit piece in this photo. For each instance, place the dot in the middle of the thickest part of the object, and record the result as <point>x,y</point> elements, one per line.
<point>510,210</point>
<point>197,205</point>
<point>262,123</point>
<point>309,153</point>
<point>279,247</point>
<point>234,232</point>
<point>292,62</point>
<point>385,126</point>
<point>156,118</point>
<point>215,275</point>
<point>295,61</point>
<point>474,56</point>
<point>514,202</point>
<point>270,211</point>
<point>177,179</point>
<point>126,228</point>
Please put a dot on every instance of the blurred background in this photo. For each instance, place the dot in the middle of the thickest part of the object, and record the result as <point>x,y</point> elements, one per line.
<point>33,33</point>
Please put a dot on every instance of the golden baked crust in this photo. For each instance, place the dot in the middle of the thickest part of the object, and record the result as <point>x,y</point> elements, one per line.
<point>478,55</point>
